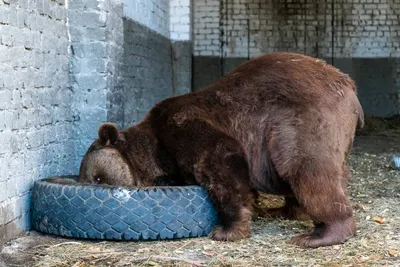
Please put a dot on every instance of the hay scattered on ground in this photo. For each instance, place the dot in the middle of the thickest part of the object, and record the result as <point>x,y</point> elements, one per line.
<point>380,126</point>
<point>373,176</point>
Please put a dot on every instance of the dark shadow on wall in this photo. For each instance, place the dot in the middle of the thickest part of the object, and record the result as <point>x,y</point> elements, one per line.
<point>149,69</point>
<point>182,66</point>
<point>375,79</point>
<point>207,69</point>
<point>376,82</point>
<point>146,70</point>
<point>115,95</point>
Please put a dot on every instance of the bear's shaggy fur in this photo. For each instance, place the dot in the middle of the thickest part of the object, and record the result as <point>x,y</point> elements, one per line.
<point>281,123</point>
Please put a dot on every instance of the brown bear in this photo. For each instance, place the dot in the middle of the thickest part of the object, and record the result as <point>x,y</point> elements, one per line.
<point>281,123</point>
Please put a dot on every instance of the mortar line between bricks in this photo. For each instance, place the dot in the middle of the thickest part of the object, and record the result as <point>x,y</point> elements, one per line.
<point>15,219</point>
<point>10,199</point>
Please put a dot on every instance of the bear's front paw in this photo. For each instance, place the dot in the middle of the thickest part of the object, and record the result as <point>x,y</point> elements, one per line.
<point>221,234</point>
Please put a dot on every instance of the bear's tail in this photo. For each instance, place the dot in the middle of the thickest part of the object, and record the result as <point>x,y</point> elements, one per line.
<point>360,112</point>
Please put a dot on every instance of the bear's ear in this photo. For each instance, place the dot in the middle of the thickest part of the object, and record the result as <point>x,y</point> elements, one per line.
<point>110,135</point>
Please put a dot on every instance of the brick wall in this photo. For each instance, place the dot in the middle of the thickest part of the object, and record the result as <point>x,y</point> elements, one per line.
<point>36,116</point>
<point>115,62</point>
<point>147,70</point>
<point>181,36</point>
<point>153,14</point>
<point>366,29</point>
<point>206,28</point>
<point>180,20</point>
<point>362,28</point>
<point>147,63</point>
<point>87,30</point>
<point>66,67</point>
<point>361,37</point>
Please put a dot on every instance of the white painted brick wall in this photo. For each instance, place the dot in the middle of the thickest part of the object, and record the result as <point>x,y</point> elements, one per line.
<point>206,29</point>
<point>36,116</point>
<point>180,14</point>
<point>153,14</point>
<point>52,98</point>
<point>362,28</point>
<point>369,29</point>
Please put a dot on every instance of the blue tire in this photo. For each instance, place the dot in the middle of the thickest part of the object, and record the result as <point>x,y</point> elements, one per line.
<point>63,207</point>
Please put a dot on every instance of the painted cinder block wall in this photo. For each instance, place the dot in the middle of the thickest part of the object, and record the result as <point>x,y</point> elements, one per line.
<point>360,37</point>
<point>36,115</point>
<point>68,65</point>
<point>157,54</point>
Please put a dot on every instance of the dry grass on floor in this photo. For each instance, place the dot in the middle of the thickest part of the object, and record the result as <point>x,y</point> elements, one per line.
<point>380,126</point>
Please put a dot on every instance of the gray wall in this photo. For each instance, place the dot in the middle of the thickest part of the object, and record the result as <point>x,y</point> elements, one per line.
<point>36,112</point>
<point>182,66</point>
<point>66,70</point>
<point>154,67</point>
<point>147,69</point>
<point>377,82</point>
<point>91,69</point>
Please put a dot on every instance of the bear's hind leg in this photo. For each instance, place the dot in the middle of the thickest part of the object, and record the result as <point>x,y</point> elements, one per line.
<point>323,198</point>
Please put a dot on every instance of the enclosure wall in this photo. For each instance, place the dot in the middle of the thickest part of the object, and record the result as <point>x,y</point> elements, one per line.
<point>36,115</point>
<point>359,37</point>
<point>67,66</point>
<point>147,64</point>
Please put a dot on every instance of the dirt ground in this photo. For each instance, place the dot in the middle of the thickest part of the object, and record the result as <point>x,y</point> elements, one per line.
<point>374,191</point>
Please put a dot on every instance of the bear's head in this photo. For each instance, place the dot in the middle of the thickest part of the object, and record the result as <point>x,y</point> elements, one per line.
<point>124,158</point>
<point>103,162</point>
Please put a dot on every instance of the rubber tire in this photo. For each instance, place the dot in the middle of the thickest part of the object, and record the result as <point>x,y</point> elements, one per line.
<point>63,207</point>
